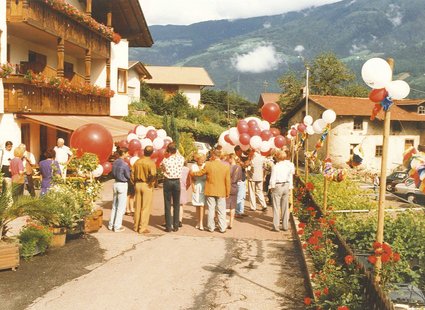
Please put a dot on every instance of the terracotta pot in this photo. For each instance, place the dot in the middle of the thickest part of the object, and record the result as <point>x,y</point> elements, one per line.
<point>9,255</point>
<point>59,237</point>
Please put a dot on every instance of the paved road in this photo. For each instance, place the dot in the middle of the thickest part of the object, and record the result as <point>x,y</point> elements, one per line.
<point>248,267</point>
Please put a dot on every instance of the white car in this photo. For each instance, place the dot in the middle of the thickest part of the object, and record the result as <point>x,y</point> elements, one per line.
<point>203,147</point>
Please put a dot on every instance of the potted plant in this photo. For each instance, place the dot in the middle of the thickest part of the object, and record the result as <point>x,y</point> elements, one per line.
<point>34,239</point>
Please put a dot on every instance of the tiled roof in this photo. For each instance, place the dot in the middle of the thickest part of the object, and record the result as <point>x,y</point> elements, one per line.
<point>269,97</point>
<point>179,76</point>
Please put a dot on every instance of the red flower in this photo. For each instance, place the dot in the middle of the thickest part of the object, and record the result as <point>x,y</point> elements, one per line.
<point>372,259</point>
<point>317,247</point>
<point>385,257</point>
<point>317,233</point>
<point>331,222</point>
<point>331,261</point>
<point>317,293</point>
<point>396,257</point>
<point>326,291</point>
<point>379,251</point>
<point>313,240</point>
<point>348,259</point>
<point>343,308</point>
<point>304,245</point>
<point>387,248</point>
<point>307,301</point>
<point>309,186</point>
<point>301,225</point>
<point>310,209</point>
<point>300,232</point>
<point>377,245</point>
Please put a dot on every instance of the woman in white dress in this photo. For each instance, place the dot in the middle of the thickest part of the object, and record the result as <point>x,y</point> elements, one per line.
<point>198,188</point>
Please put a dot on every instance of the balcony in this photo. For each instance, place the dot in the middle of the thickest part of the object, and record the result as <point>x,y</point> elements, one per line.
<point>40,23</point>
<point>51,95</point>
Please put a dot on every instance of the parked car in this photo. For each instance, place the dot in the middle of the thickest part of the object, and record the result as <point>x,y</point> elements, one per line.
<point>395,178</point>
<point>409,191</point>
<point>203,147</point>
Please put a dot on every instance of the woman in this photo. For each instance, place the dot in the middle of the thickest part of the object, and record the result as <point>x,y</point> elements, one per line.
<point>17,171</point>
<point>281,182</point>
<point>198,188</point>
<point>235,177</point>
<point>48,168</point>
<point>185,182</point>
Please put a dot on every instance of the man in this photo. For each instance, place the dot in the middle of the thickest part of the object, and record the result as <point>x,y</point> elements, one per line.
<point>29,163</point>
<point>255,181</point>
<point>6,156</point>
<point>172,168</point>
<point>121,174</point>
<point>143,176</point>
<point>217,189</point>
<point>63,156</point>
<point>240,200</point>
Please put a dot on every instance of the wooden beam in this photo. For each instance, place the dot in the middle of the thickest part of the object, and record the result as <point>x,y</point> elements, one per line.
<point>87,61</point>
<point>88,7</point>
<point>108,73</point>
<point>60,57</point>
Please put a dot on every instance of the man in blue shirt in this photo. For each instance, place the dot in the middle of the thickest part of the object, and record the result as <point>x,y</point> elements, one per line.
<point>121,173</point>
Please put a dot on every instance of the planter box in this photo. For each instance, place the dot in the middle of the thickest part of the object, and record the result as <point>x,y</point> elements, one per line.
<point>93,222</point>
<point>59,237</point>
<point>9,255</point>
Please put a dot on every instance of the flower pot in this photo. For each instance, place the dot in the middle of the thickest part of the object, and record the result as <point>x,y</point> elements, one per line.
<point>59,237</point>
<point>75,232</point>
<point>100,217</point>
<point>91,222</point>
<point>9,255</point>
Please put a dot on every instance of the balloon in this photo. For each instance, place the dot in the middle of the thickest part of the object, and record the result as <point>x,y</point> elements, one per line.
<point>242,126</point>
<point>317,127</point>
<point>264,125</point>
<point>122,144</point>
<point>228,148</point>
<point>107,167</point>
<point>301,127</point>
<point>293,132</point>
<point>245,147</point>
<point>133,160</point>
<point>398,89</point>
<point>376,73</point>
<point>252,123</point>
<point>140,153</point>
<point>234,135</point>
<point>141,131</point>
<point>265,147</point>
<point>244,138</point>
<point>161,133</point>
<point>98,171</point>
<point>221,140</point>
<point>275,131</point>
<point>127,161</point>
<point>161,154</point>
<point>151,134</point>
<point>308,120</point>
<point>270,112</point>
<point>93,138</point>
<point>255,142</point>
<point>377,95</point>
<point>266,135</point>
<point>309,130</point>
<point>271,143</point>
<point>158,143</point>
<point>227,139</point>
<point>329,116</point>
<point>150,127</point>
<point>279,141</point>
<point>134,146</point>
<point>254,131</point>
<point>131,136</point>
<point>146,142</point>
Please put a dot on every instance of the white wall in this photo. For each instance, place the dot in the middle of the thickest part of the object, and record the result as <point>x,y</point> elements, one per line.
<point>10,129</point>
<point>3,47</point>
<point>133,82</point>
<point>193,94</point>
<point>119,59</point>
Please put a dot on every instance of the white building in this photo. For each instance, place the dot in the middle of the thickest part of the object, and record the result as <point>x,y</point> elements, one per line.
<point>188,80</point>
<point>137,73</point>
<point>75,63</point>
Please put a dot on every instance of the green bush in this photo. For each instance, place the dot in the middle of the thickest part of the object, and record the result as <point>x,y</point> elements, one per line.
<point>34,239</point>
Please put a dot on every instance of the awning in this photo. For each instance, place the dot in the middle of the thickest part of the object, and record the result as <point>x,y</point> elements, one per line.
<point>68,123</point>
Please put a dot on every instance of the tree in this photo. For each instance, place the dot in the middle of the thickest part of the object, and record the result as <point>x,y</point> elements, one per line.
<point>178,105</point>
<point>292,91</point>
<point>174,132</point>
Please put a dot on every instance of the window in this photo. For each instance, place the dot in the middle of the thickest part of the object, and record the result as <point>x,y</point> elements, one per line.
<point>25,135</point>
<point>122,81</point>
<point>68,70</point>
<point>421,110</point>
<point>408,143</point>
<point>378,151</point>
<point>358,123</point>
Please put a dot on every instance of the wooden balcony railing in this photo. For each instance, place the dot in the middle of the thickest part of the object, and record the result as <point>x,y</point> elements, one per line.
<point>77,79</point>
<point>41,16</point>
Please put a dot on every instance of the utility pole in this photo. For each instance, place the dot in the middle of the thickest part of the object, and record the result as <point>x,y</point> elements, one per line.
<point>307,91</point>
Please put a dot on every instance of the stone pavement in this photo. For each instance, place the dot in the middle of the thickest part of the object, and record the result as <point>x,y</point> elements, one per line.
<point>248,267</point>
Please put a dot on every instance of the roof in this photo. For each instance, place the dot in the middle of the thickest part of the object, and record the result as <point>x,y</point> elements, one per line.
<point>355,106</point>
<point>410,102</point>
<point>179,76</point>
<point>118,128</point>
<point>140,69</point>
<point>267,98</point>
<point>127,19</point>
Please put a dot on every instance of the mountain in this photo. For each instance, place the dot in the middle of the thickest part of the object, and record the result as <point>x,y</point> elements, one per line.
<point>249,55</point>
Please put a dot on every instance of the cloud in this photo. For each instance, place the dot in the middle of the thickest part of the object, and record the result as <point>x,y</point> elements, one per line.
<point>267,25</point>
<point>394,15</point>
<point>162,12</point>
<point>299,49</point>
<point>261,59</point>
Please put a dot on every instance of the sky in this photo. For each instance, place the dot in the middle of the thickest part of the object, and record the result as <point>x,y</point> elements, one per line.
<point>186,12</point>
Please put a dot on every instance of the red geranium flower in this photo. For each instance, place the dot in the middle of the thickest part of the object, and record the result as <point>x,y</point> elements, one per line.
<point>301,225</point>
<point>331,222</point>
<point>304,245</point>
<point>307,301</point>
<point>317,233</point>
<point>348,259</point>
<point>385,257</point>
<point>377,245</point>
<point>372,259</point>
<point>343,308</point>
<point>317,293</point>
<point>396,257</point>
<point>313,240</point>
<point>309,186</point>
<point>326,291</point>
<point>387,248</point>
<point>300,232</point>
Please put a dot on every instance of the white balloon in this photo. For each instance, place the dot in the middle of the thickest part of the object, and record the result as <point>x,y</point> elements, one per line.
<point>321,123</point>
<point>376,73</point>
<point>317,126</point>
<point>234,135</point>
<point>141,131</point>
<point>308,120</point>
<point>133,160</point>
<point>255,142</point>
<point>146,142</point>
<point>149,128</point>
<point>329,116</point>
<point>158,143</point>
<point>398,89</point>
<point>161,133</point>
<point>228,148</point>
<point>309,130</point>
<point>271,143</point>
<point>264,125</point>
<point>131,136</point>
<point>168,138</point>
<point>98,171</point>
<point>265,146</point>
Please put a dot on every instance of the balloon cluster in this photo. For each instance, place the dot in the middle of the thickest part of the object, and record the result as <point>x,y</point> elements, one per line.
<point>332,174</point>
<point>141,137</point>
<point>356,158</point>
<point>377,74</point>
<point>96,139</point>
<point>414,161</point>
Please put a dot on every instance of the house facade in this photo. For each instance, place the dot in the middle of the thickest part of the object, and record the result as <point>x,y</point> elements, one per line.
<point>137,73</point>
<point>353,127</point>
<point>188,80</point>
<point>68,58</point>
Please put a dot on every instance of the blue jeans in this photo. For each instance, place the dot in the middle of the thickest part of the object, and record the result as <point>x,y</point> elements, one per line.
<point>172,190</point>
<point>240,200</point>
<point>118,205</point>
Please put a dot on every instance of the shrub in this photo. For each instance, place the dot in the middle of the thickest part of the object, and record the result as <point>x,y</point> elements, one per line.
<point>34,239</point>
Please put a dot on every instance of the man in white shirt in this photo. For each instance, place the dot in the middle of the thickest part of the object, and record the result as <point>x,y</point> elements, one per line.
<point>6,155</point>
<point>255,181</point>
<point>29,162</point>
<point>63,156</point>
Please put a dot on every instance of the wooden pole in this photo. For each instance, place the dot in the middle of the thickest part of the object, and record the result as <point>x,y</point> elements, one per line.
<point>87,61</point>
<point>306,162</point>
<point>297,172</point>
<point>383,184</point>
<point>60,57</point>
<point>326,182</point>
<point>306,159</point>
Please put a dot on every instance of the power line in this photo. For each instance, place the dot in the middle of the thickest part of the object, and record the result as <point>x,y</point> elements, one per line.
<point>419,91</point>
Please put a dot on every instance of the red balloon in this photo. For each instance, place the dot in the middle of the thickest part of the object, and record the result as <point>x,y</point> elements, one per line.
<point>166,142</point>
<point>242,126</point>
<point>275,132</point>
<point>266,135</point>
<point>140,153</point>
<point>227,139</point>
<point>127,161</point>
<point>244,138</point>
<point>123,143</point>
<point>151,134</point>
<point>161,154</point>
<point>377,95</point>
<point>266,153</point>
<point>301,127</point>
<point>293,132</point>
<point>134,146</point>
<point>279,141</point>
<point>270,112</point>
<point>107,167</point>
<point>254,131</point>
<point>252,123</point>
<point>93,138</point>
<point>154,154</point>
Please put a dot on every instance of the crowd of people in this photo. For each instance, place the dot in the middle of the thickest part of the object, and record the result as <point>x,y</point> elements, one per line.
<point>219,183</point>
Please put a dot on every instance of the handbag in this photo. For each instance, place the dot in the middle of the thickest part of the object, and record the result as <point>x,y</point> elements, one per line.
<point>18,178</point>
